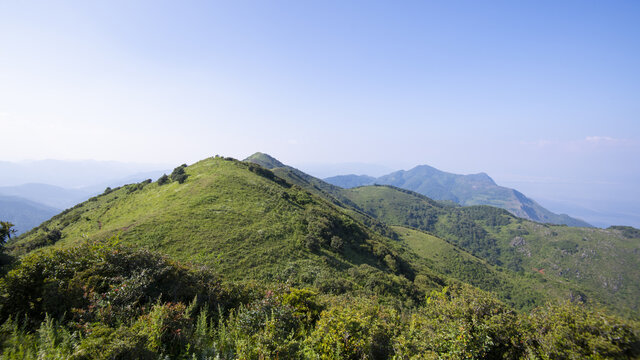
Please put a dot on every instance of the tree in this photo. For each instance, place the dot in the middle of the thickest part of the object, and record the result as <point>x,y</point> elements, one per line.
<point>163,179</point>
<point>179,174</point>
<point>336,243</point>
<point>6,229</point>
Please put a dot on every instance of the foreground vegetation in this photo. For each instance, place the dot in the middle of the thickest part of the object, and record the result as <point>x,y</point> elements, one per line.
<point>103,300</point>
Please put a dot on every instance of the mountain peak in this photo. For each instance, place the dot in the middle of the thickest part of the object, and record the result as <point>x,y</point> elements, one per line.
<point>482,178</point>
<point>466,190</point>
<point>265,160</point>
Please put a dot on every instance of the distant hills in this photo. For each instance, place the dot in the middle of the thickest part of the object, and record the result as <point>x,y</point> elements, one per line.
<point>578,257</point>
<point>474,189</point>
<point>49,195</point>
<point>23,213</point>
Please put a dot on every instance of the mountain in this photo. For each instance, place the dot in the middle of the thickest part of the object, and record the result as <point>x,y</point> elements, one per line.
<point>351,181</point>
<point>573,261</point>
<point>230,259</point>
<point>294,176</point>
<point>580,258</point>
<point>23,213</point>
<point>265,160</point>
<point>239,218</point>
<point>475,189</point>
<point>50,195</point>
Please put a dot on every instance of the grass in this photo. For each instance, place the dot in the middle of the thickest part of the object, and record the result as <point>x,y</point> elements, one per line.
<point>249,224</point>
<point>240,220</point>
<point>601,265</point>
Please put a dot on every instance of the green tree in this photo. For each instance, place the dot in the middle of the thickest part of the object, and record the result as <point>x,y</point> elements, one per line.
<point>6,229</point>
<point>163,179</point>
<point>179,174</point>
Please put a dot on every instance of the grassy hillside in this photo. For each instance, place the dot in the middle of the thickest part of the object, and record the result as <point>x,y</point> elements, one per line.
<point>242,220</point>
<point>264,160</point>
<point>603,265</point>
<point>523,291</point>
<point>296,268</point>
<point>322,189</point>
<point>467,190</point>
<point>530,273</point>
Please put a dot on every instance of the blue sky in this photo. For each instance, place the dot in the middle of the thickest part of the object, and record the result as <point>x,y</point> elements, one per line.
<point>530,92</point>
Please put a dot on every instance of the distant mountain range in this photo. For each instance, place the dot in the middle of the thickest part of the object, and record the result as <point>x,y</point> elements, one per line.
<point>49,195</point>
<point>23,213</point>
<point>474,189</point>
<point>70,173</point>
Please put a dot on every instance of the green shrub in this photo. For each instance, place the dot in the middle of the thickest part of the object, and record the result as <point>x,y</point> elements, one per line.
<point>103,281</point>
<point>354,330</point>
<point>572,331</point>
<point>460,322</point>
<point>336,243</point>
<point>163,179</point>
<point>179,174</point>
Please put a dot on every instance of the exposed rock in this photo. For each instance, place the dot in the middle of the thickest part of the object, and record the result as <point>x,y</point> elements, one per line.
<point>520,244</point>
<point>517,242</point>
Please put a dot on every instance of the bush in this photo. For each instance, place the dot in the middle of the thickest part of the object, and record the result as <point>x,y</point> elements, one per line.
<point>163,180</point>
<point>357,330</point>
<point>460,322</point>
<point>103,281</point>
<point>179,174</point>
<point>336,243</point>
<point>312,242</point>
<point>571,331</point>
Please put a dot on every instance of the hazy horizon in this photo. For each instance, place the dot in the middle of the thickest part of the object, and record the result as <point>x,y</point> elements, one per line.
<point>612,206</point>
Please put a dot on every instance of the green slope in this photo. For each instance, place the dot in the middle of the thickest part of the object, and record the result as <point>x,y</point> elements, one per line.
<point>494,234</point>
<point>602,265</point>
<point>265,160</point>
<point>245,222</point>
<point>331,193</point>
<point>249,223</point>
<point>523,291</point>
<point>294,176</point>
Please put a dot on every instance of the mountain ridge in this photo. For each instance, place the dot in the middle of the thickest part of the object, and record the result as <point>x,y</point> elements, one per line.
<point>250,215</point>
<point>570,257</point>
<point>472,189</point>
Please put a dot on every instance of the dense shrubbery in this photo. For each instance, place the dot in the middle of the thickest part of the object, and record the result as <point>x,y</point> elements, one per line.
<point>179,174</point>
<point>463,231</point>
<point>627,231</point>
<point>101,300</point>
